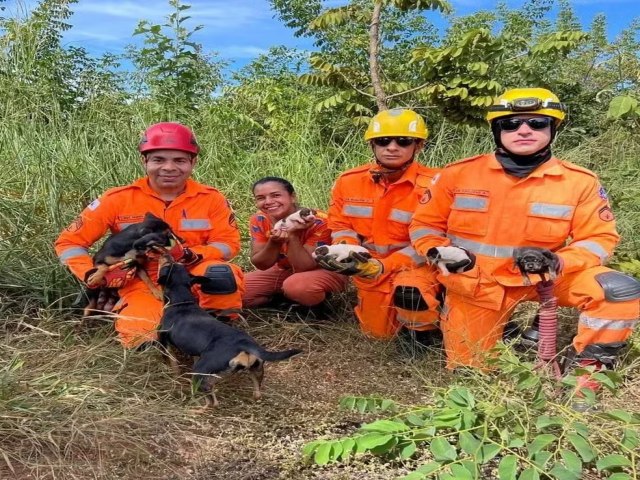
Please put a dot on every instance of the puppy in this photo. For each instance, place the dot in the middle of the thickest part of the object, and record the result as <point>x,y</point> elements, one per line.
<point>127,248</point>
<point>535,260</point>
<point>220,347</point>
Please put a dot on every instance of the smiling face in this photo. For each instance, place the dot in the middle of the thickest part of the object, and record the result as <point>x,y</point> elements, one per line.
<point>273,199</point>
<point>168,170</point>
<point>525,140</point>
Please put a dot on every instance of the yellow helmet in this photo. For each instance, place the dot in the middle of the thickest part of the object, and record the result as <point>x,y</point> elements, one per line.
<point>397,122</point>
<point>539,101</point>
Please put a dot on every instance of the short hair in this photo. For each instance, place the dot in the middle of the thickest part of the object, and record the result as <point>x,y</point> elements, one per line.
<point>285,183</point>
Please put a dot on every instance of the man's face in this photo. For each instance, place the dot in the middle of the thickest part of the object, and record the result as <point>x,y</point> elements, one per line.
<point>525,140</point>
<point>393,155</point>
<point>168,170</point>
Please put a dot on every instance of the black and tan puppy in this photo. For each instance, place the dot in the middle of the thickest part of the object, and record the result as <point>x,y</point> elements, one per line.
<point>535,260</point>
<point>221,349</point>
<point>128,248</point>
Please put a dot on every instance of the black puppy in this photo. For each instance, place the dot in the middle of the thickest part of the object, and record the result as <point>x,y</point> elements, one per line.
<point>535,260</point>
<point>220,347</point>
<point>128,248</point>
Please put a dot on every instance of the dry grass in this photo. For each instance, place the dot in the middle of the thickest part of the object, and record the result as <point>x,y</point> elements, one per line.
<point>74,405</point>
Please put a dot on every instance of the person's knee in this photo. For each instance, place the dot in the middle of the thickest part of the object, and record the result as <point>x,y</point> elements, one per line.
<point>219,280</point>
<point>409,298</point>
<point>618,287</point>
<point>304,293</point>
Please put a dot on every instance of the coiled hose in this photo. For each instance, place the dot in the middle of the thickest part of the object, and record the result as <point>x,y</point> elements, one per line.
<point>548,327</point>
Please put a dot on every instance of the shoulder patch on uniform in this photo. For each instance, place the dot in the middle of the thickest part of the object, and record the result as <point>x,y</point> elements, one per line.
<point>93,205</point>
<point>605,214</point>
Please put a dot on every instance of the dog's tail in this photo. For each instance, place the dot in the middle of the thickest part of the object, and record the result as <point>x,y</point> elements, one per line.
<point>270,356</point>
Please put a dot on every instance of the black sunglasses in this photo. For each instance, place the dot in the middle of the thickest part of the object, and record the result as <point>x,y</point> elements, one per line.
<point>513,124</point>
<point>400,141</point>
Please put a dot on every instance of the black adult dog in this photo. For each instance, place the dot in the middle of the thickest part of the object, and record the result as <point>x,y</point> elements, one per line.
<point>535,260</point>
<point>128,249</point>
<point>194,332</point>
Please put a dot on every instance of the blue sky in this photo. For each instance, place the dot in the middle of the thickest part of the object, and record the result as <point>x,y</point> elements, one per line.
<point>239,30</point>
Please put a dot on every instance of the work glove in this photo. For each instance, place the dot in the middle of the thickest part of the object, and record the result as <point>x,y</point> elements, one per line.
<point>179,252</point>
<point>300,220</point>
<point>348,260</point>
<point>451,259</point>
<point>116,277</point>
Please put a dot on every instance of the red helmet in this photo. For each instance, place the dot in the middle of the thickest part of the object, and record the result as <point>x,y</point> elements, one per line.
<point>169,136</point>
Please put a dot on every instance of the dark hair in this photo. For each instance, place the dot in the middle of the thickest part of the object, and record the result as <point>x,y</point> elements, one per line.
<point>285,183</point>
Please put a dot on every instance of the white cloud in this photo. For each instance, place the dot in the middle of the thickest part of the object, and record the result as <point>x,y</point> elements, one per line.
<point>241,51</point>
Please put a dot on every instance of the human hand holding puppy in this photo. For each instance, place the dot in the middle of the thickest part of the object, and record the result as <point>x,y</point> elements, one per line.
<point>348,260</point>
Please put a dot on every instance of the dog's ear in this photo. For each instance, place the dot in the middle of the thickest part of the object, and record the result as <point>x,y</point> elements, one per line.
<point>199,279</point>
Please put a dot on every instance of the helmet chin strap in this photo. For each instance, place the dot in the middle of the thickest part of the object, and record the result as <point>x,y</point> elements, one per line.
<point>383,171</point>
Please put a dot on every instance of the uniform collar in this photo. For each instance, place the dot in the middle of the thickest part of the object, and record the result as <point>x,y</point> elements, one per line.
<point>409,175</point>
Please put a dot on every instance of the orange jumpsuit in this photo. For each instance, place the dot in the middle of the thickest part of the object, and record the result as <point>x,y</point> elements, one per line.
<point>474,204</point>
<point>307,288</point>
<point>377,216</point>
<point>201,216</point>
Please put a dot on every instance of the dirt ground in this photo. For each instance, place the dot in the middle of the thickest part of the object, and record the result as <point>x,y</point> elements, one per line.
<point>82,409</point>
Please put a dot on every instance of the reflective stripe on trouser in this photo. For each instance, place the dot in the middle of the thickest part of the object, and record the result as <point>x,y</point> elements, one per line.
<point>471,325</point>
<point>306,288</point>
<point>138,312</point>
<point>376,312</point>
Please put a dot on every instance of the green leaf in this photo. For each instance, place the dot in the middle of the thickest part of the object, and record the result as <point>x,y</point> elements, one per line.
<point>621,105</point>
<point>613,461</point>
<point>621,416</point>
<point>385,447</point>
<point>508,468</point>
<point>408,450</point>
<point>442,450</point>
<point>385,426</point>
<point>323,453</point>
<point>460,397</point>
<point>387,405</point>
<point>560,472</point>
<point>348,403</point>
<point>488,451</point>
<point>361,405</point>
<point>571,460</point>
<point>516,443</point>
<point>468,443</point>
<point>540,442</point>
<point>429,468</point>
<point>372,440</point>
<point>541,458</point>
<point>461,473</point>
<point>309,448</point>
<point>630,439</point>
<point>545,421</point>
<point>620,476</point>
<point>336,450</point>
<point>414,419</point>
<point>582,447</point>
<point>348,445</point>
<point>529,474</point>
<point>414,476</point>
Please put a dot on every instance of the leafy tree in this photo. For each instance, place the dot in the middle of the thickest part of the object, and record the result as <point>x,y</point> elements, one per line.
<point>171,68</point>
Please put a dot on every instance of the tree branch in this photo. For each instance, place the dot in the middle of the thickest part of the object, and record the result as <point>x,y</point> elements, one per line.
<point>374,66</point>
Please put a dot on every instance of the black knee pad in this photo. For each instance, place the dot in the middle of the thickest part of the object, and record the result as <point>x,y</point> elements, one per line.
<point>409,298</point>
<point>618,287</point>
<point>219,280</point>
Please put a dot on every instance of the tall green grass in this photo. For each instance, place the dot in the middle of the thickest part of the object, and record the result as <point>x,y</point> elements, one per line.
<point>53,169</point>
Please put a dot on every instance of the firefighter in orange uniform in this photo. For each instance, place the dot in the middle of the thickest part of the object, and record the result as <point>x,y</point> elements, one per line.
<point>369,215</point>
<point>482,208</point>
<point>200,215</point>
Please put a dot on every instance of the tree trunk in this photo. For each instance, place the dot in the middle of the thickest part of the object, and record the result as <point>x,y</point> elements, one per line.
<point>374,66</point>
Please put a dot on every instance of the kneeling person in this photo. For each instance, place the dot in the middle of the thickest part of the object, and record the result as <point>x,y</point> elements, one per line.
<point>200,215</point>
<point>282,253</point>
